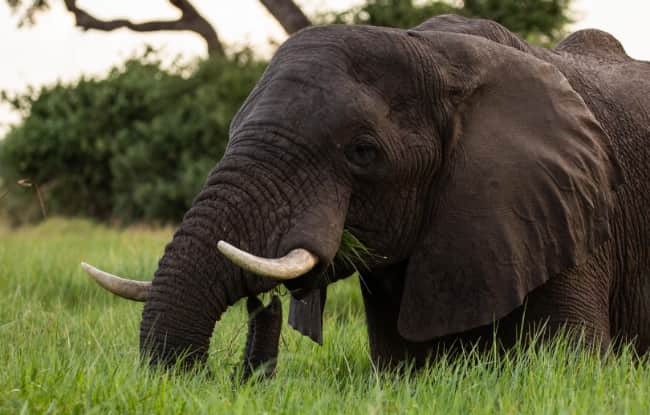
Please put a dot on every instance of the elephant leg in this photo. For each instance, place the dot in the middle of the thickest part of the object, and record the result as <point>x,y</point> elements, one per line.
<point>576,301</point>
<point>264,326</point>
<point>382,294</point>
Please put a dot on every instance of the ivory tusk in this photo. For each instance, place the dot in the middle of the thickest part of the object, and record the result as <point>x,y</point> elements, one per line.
<point>296,263</point>
<point>129,289</point>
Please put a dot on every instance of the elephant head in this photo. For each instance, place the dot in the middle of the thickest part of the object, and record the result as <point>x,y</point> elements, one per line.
<point>473,163</point>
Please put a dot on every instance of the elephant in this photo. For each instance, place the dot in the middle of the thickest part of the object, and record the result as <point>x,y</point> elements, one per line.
<point>502,186</point>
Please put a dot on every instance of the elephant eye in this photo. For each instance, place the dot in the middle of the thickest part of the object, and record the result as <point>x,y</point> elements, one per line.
<point>361,154</point>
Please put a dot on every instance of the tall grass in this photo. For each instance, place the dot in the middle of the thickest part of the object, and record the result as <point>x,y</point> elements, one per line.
<point>66,346</point>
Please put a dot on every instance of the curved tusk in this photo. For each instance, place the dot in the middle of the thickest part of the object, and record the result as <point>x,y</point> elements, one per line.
<point>292,265</point>
<point>129,289</point>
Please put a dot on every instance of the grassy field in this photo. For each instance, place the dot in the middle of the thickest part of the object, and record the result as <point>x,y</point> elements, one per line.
<point>68,347</point>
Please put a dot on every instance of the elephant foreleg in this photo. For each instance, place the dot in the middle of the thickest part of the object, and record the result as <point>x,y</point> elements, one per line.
<point>264,326</point>
<point>382,294</point>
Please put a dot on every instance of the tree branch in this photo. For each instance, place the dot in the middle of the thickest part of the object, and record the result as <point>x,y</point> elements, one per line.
<point>190,20</point>
<point>288,14</point>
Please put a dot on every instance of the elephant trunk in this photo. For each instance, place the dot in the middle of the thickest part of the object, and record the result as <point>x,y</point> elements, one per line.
<point>241,203</point>
<point>194,283</point>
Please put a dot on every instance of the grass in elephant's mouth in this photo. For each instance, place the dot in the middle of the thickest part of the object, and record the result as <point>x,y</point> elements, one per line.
<point>66,346</point>
<point>352,252</point>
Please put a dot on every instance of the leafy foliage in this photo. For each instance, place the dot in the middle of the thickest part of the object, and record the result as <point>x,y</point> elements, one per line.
<point>136,145</point>
<point>392,13</point>
<point>538,21</point>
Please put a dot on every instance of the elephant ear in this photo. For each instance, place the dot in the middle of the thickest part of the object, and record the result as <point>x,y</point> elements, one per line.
<point>526,195</point>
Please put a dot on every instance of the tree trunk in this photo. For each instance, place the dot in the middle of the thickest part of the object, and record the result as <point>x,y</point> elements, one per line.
<point>288,14</point>
<point>191,20</point>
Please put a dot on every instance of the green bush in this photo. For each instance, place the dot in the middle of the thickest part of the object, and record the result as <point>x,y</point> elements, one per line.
<point>542,22</point>
<point>136,145</point>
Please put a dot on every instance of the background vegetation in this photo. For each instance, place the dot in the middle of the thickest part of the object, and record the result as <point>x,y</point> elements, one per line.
<point>137,144</point>
<point>541,22</point>
<point>69,347</point>
<point>134,146</point>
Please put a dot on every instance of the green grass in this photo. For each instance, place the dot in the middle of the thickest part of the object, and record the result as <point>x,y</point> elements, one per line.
<point>352,252</point>
<point>68,347</point>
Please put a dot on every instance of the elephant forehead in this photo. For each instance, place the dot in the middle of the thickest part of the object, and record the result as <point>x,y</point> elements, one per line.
<point>312,108</point>
<point>331,81</point>
<point>346,44</point>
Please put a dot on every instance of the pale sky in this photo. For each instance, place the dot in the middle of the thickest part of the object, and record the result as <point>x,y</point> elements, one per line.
<point>54,49</point>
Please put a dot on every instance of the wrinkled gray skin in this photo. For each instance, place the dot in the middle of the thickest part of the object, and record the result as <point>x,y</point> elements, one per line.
<point>492,175</point>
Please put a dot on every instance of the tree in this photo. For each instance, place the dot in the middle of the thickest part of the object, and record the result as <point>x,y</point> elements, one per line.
<point>538,21</point>
<point>286,12</point>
